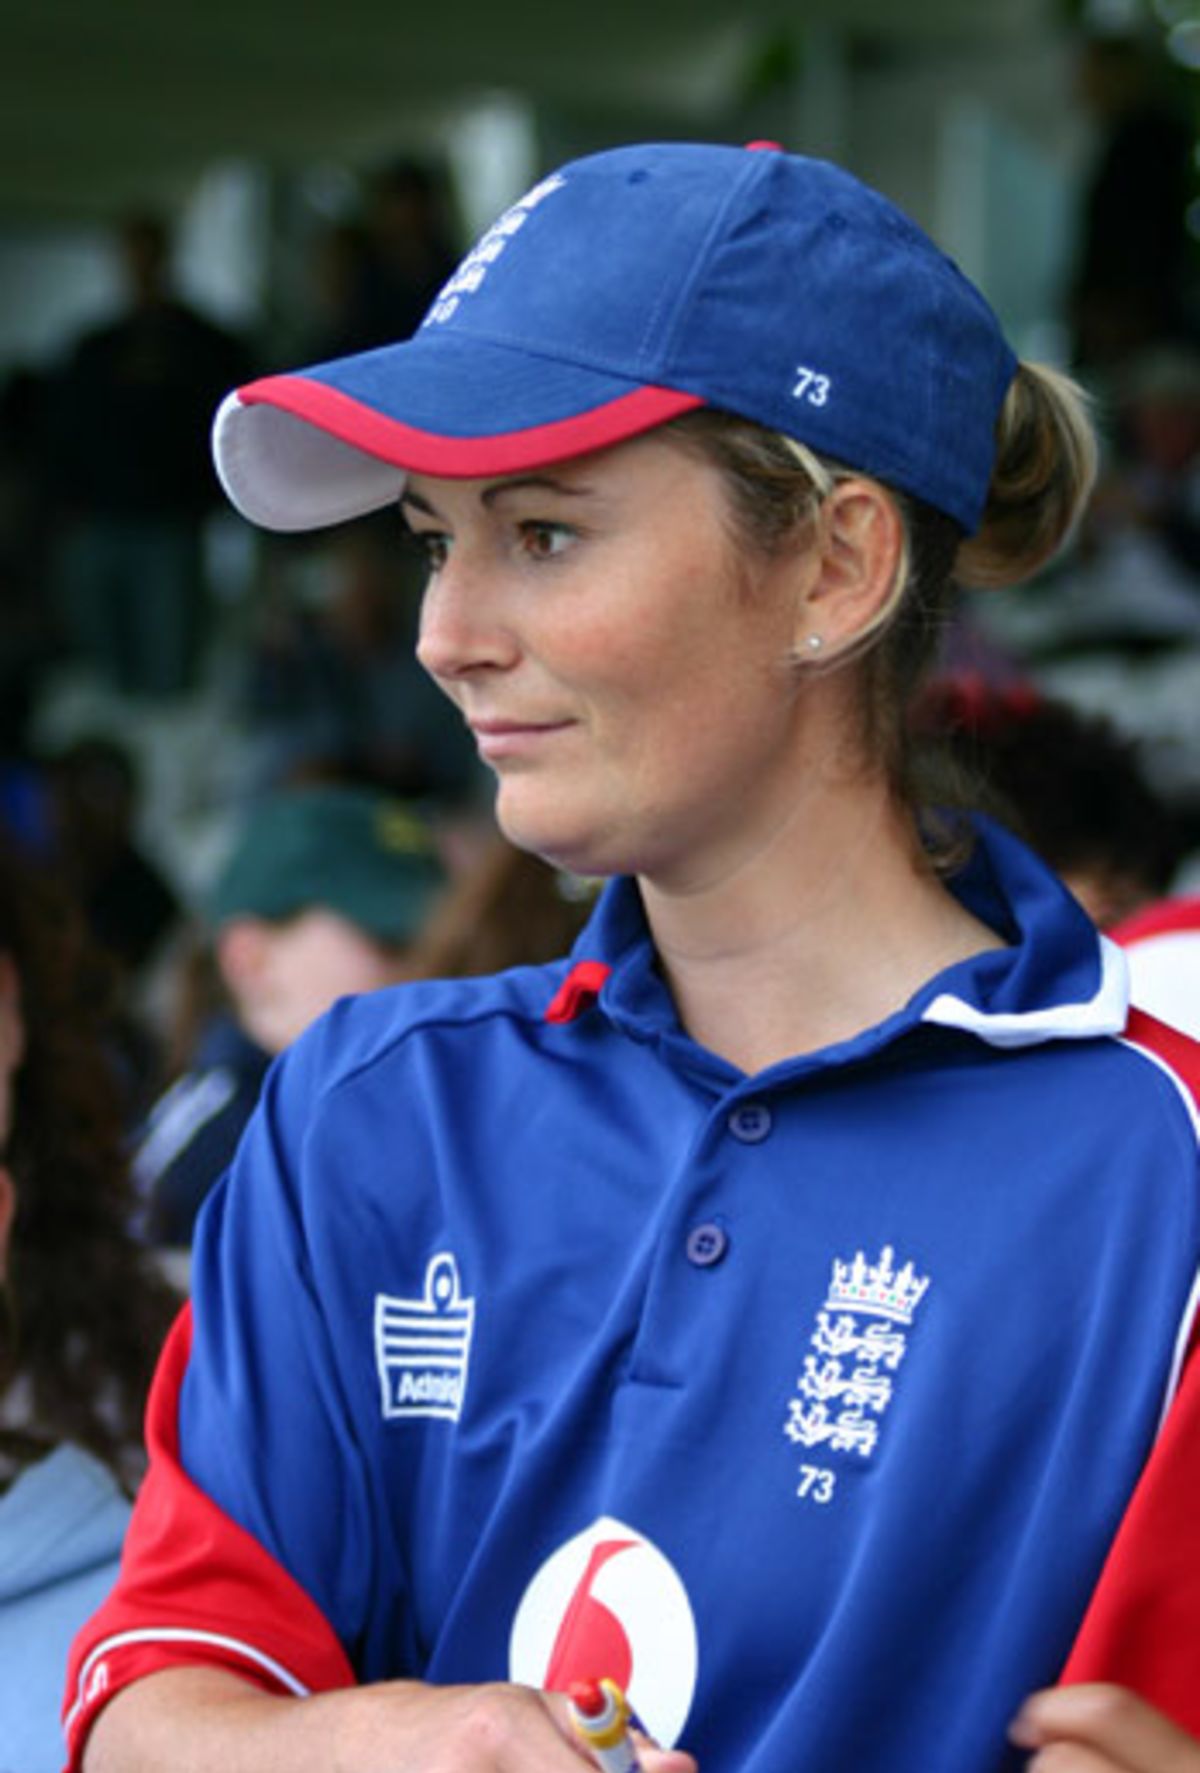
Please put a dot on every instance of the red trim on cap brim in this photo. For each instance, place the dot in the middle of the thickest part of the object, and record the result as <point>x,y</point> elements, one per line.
<point>430,452</point>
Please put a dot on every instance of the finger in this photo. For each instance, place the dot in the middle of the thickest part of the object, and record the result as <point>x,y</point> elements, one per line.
<point>1112,1722</point>
<point>651,1758</point>
<point>654,1759</point>
<point>666,1760</point>
<point>1073,1757</point>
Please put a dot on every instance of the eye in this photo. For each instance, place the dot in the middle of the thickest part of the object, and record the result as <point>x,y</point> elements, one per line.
<point>432,545</point>
<point>543,541</point>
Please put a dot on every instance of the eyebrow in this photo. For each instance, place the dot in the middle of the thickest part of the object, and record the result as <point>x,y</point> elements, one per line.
<point>490,494</point>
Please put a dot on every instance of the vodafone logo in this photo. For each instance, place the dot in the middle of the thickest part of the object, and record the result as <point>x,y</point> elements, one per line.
<point>609,1603</point>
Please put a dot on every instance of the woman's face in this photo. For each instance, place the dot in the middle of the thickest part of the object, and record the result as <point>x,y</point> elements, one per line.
<point>623,666</point>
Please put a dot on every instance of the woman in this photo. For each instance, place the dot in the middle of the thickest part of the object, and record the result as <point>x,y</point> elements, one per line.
<point>82,1318</point>
<point>741,1310</point>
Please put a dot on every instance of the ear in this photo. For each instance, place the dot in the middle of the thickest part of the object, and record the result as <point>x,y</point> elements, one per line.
<point>859,548</point>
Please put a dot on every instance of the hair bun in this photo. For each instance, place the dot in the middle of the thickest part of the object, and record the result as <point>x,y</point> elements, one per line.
<point>1044,471</point>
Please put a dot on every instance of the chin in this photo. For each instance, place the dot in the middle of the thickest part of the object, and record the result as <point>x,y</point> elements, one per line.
<point>561,837</point>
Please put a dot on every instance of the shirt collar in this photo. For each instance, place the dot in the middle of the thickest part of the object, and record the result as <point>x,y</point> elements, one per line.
<point>1056,978</point>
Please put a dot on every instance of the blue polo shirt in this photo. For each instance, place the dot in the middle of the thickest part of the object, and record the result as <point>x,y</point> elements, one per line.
<point>806,1404</point>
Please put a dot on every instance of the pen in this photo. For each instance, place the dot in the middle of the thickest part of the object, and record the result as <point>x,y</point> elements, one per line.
<point>600,1717</point>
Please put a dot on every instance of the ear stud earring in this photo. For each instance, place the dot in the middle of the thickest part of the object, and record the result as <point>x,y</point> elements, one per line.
<point>815,643</point>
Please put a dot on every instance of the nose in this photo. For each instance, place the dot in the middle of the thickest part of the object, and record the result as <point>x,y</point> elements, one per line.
<point>462,628</point>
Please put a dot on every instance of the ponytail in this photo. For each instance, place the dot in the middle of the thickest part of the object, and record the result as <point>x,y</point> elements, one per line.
<point>1045,468</point>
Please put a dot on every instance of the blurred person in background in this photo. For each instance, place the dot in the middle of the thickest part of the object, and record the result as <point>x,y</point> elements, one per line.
<point>379,272</point>
<point>325,893</point>
<point>134,910</point>
<point>505,908</point>
<point>82,1308</point>
<point>1071,783</point>
<point>1132,283</point>
<point>332,688</point>
<point>1074,785</point>
<point>95,795</point>
<point>126,428</point>
<point>29,640</point>
<point>76,808</point>
<point>1139,546</point>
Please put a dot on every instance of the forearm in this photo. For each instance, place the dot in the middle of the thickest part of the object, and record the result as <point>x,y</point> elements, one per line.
<point>192,1720</point>
<point>200,1720</point>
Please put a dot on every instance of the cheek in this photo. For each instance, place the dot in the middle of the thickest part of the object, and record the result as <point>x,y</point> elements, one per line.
<point>357,968</point>
<point>644,652</point>
<point>326,965</point>
<point>677,628</point>
<point>712,678</point>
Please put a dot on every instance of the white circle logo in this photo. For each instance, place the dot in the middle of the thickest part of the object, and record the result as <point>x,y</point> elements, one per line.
<point>608,1603</point>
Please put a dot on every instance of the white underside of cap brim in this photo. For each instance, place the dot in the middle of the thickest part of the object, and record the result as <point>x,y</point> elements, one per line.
<point>283,473</point>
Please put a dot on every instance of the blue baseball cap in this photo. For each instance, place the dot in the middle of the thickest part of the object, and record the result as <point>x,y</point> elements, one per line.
<point>625,289</point>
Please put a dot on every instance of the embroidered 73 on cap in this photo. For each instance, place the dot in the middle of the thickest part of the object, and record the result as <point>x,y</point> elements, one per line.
<point>623,290</point>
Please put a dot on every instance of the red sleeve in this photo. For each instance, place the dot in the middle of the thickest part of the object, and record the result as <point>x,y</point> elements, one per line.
<point>1142,1626</point>
<point>194,1588</point>
<point>1165,917</point>
<point>1177,1052</point>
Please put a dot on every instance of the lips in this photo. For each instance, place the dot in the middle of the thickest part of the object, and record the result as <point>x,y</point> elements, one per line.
<point>505,738</point>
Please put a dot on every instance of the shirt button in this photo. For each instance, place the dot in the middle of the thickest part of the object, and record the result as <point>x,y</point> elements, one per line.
<point>750,1122</point>
<point>706,1244</point>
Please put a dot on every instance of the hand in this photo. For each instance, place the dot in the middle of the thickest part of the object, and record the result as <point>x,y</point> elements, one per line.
<point>189,1720</point>
<point>1101,1729</point>
<point>497,1728</point>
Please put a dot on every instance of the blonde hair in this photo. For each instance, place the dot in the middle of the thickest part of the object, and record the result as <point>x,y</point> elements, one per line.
<point>1045,466</point>
<point>1044,472</point>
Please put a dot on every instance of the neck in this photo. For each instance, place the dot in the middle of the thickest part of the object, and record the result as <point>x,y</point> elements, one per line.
<point>823,932</point>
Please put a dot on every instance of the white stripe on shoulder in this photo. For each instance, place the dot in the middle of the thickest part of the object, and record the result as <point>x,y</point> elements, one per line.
<point>1165,972</point>
<point>1187,1325</point>
<point>1105,1013</point>
<point>93,1667</point>
<point>1164,1065</point>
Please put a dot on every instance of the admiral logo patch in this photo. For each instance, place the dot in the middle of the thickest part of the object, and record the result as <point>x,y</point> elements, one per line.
<point>422,1346</point>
